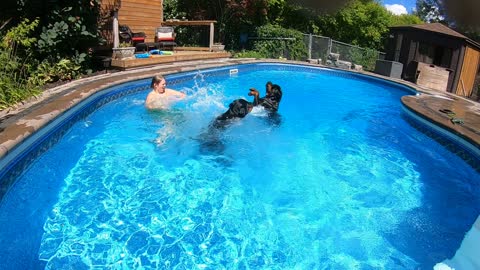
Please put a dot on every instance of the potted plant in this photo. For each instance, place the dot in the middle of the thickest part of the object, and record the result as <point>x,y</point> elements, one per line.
<point>125,50</point>
<point>218,47</point>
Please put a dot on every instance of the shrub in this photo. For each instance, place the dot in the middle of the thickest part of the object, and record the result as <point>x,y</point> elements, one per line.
<point>16,64</point>
<point>70,30</point>
<point>275,48</point>
<point>365,57</point>
<point>249,54</point>
<point>47,72</point>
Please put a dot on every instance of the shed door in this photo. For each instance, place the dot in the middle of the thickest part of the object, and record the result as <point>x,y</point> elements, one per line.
<point>468,73</point>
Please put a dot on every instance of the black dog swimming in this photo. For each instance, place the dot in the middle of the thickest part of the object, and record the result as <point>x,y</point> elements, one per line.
<point>210,140</point>
<point>239,108</point>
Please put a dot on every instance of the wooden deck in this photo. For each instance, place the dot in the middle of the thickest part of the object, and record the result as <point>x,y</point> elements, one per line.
<point>180,54</point>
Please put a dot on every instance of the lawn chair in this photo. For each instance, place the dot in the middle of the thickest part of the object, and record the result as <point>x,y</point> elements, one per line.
<point>165,37</point>
<point>126,35</point>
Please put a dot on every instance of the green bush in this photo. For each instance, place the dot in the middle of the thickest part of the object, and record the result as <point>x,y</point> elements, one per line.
<point>192,36</point>
<point>366,57</point>
<point>249,54</point>
<point>69,32</point>
<point>16,64</point>
<point>55,47</point>
<point>47,72</point>
<point>271,48</point>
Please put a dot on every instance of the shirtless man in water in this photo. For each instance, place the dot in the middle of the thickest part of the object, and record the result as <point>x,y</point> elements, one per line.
<point>160,98</point>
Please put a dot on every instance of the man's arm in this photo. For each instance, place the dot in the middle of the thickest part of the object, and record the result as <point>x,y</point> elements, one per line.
<point>176,94</point>
<point>149,101</point>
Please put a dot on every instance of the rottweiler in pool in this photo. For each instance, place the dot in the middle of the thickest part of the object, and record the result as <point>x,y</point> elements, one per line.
<point>239,108</point>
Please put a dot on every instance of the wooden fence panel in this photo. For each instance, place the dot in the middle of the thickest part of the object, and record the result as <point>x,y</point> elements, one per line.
<point>468,73</point>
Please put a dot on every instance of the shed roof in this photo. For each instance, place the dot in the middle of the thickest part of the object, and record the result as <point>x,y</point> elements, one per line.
<point>438,28</point>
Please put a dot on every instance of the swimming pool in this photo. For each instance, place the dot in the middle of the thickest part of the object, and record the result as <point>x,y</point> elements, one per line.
<point>341,180</point>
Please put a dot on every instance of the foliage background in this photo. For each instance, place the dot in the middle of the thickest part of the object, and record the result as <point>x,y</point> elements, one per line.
<point>44,41</point>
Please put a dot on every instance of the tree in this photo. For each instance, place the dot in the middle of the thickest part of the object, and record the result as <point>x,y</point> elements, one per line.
<point>171,11</point>
<point>362,23</point>
<point>296,17</point>
<point>231,15</point>
<point>459,15</point>
<point>430,11</point>
<point>322,7</point>
<point>405,19</point>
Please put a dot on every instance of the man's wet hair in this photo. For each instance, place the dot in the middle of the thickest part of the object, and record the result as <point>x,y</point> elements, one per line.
<point>156,79</point>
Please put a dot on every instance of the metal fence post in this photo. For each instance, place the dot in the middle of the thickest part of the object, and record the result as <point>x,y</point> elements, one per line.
<point>310,37</point>
<point>329,51</point>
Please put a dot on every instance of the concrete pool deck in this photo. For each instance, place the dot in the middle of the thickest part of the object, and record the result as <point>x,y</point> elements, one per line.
<point>23,120</point>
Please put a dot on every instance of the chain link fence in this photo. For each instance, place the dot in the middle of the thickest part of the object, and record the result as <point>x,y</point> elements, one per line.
<point>320,47</point>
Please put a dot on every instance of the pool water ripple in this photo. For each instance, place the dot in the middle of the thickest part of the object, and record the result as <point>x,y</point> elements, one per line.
<point>340,180</point>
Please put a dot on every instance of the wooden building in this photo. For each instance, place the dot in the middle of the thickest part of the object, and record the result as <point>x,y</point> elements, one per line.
<point>435,56</point>
<point>140,15</point>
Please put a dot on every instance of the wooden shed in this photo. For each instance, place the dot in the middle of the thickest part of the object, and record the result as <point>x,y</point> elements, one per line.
<point>435,56</point>
<point>140,15</point>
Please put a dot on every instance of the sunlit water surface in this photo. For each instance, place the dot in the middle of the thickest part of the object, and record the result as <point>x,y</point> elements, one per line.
<point>339,181</point>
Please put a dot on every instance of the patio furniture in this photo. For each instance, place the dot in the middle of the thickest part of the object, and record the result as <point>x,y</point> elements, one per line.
<point>389,68</point>
<point>126,35</point>
<point>165,37</point>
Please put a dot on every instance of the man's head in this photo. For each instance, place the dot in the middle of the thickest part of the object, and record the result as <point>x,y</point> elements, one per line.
<point>158,84</point>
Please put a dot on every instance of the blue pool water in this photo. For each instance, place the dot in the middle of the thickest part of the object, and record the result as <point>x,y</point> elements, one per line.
<point>340,180</point>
